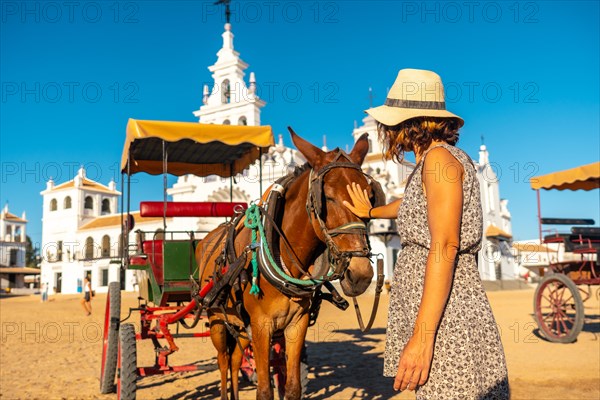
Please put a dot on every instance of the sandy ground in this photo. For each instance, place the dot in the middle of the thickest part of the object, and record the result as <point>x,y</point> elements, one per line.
<point>52,351</point>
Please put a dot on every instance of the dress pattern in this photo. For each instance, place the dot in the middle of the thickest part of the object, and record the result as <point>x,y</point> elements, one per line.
<point>468,360</point>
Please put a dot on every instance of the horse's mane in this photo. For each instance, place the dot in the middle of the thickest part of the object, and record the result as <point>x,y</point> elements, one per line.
<point>300,169</point>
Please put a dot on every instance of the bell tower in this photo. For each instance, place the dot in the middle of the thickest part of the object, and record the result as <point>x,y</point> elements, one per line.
<point>230,101</point>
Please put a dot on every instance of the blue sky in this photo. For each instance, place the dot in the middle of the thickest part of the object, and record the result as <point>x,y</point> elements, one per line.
<point>525,75</point>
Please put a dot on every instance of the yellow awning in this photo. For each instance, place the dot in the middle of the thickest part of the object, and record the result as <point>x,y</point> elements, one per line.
<point>193,148</point>
<point>493,231</point>
<point>585,177</point>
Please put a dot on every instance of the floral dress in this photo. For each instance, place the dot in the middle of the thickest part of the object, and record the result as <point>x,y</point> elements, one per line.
<point>468,359</point>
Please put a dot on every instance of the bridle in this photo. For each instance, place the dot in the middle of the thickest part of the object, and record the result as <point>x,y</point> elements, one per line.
<point>340,259</point>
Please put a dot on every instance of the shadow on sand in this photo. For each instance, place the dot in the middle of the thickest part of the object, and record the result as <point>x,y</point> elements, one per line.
<point>334,367</point>
<point>591,324</point>
<point>348,364</point>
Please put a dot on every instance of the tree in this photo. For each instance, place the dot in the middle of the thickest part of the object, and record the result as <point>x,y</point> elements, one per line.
<point>31,254</point>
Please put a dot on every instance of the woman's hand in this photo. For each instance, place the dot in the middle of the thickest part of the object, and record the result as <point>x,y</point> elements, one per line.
<point>415,362</point>
<point>361,204</point>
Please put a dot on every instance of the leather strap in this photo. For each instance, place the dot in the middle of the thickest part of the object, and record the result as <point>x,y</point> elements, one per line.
<point>378,288</point>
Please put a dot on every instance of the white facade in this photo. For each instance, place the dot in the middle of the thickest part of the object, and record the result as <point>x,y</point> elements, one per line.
<point>13,245</point>
<point>496,258</point>
<point>81,230</point>
<point>13,240</point>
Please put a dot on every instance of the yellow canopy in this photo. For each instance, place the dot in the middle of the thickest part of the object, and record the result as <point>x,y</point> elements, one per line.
<point>493,231</point>
<point>585,177</point>
<point>193,148</point>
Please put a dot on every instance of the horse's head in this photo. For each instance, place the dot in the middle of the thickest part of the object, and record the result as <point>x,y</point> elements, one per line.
<point>343,232</point>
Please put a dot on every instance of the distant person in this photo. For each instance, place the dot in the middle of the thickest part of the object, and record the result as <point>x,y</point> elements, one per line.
<point>44,292</point>
<point>86,302</point>
<point>442,340</point>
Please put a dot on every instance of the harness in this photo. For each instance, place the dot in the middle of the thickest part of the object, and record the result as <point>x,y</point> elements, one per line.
<point>267,236</point>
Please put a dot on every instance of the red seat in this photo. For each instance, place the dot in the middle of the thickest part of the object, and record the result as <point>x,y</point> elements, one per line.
<point>154,251</point>
<point>189,209</point>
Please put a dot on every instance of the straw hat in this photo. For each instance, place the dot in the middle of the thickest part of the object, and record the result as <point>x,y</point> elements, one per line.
<point>415,93</point>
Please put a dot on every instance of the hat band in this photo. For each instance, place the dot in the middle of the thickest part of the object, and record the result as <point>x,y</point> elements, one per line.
<point>422,105</point>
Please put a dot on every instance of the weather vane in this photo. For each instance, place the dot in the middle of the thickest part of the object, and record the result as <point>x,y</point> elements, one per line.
<point>227,9</point>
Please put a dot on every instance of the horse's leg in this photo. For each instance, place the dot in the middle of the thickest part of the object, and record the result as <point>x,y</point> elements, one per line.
<point>218,335</point>
<point>262,331</point>
<point>295,334</point>
<point>236,362</point>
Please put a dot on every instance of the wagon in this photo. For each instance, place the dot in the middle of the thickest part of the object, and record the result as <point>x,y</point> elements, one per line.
<point>163,262</point>
<point>568,283</point>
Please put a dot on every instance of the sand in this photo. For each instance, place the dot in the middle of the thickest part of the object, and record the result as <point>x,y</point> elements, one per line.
<point>53,351</point>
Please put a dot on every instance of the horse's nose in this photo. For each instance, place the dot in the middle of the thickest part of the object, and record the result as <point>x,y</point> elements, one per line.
<point>357,277</point>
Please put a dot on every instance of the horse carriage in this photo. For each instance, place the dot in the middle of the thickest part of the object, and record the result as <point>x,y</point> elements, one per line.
<point>567,284</point>
<point>257,270</point>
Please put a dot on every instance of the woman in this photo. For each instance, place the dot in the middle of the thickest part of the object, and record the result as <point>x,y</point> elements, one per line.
<point>442,339</point>
<point>86,302</point>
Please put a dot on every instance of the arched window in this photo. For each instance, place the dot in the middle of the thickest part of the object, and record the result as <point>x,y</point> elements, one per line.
<point>67,202</point>
<point>53,205</point>
<point>242,121</point>
<point>88,251</point>
<point>88,203</point>
<point>225,92</point>
<point>105,246</point>
<point>105,206</point>
<point>226,122</point>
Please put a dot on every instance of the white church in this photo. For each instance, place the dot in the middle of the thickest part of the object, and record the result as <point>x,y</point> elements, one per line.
<point>82,225</point>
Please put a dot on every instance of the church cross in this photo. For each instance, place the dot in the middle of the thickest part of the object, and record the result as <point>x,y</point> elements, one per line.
<point>227,9</point>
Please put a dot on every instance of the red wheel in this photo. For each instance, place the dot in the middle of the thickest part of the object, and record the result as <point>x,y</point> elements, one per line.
<point>112,315</point>
<point>558,309</point>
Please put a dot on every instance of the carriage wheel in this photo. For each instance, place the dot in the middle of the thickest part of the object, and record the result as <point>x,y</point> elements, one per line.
<point>126,384</point>
<point>110,344</point>
<point>558,309</point>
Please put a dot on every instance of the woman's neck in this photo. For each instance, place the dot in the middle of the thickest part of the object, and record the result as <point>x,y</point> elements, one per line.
<point>421,150</point>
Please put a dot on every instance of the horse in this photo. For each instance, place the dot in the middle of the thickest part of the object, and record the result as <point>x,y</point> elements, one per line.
<point>314,221</point>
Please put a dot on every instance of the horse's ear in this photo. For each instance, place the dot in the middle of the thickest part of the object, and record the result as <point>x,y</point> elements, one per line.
<point>312,153</point>
<point>360,150</point>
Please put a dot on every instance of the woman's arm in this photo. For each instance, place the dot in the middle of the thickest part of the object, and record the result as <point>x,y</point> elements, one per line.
<point>361,205</point>
<point>442,177</point>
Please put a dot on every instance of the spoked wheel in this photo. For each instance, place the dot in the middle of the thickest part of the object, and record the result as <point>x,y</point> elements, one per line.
<point>110,344</point>
<point>126,384</point>
<point>558,309</point>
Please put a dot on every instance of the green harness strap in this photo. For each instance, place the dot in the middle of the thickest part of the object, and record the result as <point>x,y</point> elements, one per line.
<point>253,222</point>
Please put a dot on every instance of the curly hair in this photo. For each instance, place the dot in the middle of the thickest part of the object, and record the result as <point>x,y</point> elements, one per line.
<point>416,133</point>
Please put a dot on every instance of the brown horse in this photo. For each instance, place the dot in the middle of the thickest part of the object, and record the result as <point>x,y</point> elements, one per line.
<point>308,234</point>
